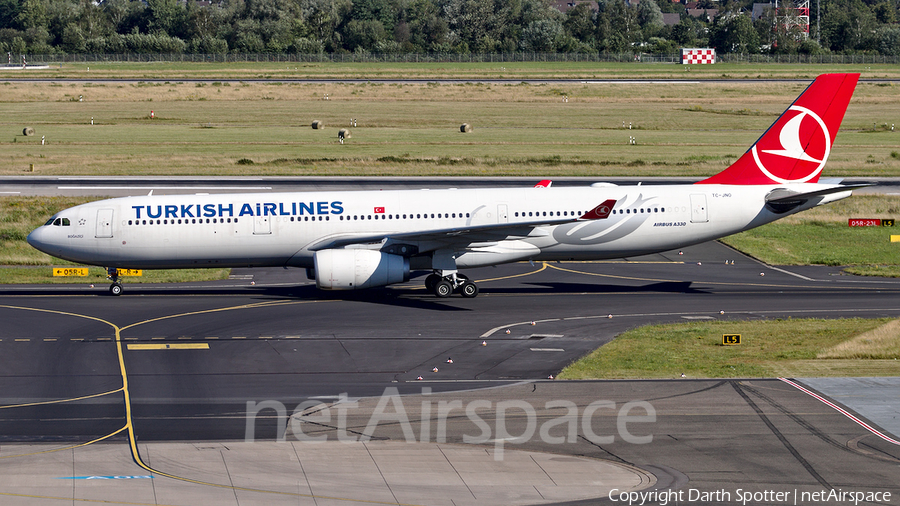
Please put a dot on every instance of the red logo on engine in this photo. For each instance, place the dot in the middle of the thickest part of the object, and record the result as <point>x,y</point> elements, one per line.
<point>800,149</point>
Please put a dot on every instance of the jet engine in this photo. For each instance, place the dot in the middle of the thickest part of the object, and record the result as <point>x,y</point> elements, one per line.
<point>354,269</point>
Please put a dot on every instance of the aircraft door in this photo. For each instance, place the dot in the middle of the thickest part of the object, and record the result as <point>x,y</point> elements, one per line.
<point>262,225</point>
<point>502,213</point>
<point>699,212</point>
<point>104,223</point>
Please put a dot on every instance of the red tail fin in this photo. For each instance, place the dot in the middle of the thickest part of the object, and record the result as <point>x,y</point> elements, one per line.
<point>795,148</point>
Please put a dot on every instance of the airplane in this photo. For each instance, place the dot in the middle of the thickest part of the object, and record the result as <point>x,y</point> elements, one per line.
<point>350,240</point>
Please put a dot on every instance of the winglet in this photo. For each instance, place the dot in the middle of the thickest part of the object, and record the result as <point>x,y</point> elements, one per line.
<point>600,212</point>
<point>544,183</point>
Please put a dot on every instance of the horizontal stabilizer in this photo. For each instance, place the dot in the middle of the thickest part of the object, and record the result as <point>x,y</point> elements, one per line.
<point>785,195</point>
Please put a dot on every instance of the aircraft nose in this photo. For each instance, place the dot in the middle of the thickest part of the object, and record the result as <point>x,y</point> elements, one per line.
<point>37,239</point>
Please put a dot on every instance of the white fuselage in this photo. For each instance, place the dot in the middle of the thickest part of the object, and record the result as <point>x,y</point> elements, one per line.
<point>274,229</point>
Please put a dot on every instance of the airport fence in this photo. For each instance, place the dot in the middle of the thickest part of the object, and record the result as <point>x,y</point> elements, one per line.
<point>49,59</point>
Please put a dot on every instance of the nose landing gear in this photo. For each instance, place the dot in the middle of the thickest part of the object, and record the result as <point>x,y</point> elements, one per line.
<point>113,275</point>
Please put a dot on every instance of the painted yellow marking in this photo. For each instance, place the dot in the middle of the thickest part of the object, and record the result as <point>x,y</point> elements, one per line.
<point>49,339</point>
<point>156,338</point>
<point>22,340</point>
<point>185,338</point>
<point>211,337</point>
<point>64,448</point>
<point>70,271</point>
<point>130,338</point>
<point>58,401</point>
<point>895,238</point>
<point>265,337</point>
<point>129,424</point>
<point>173,346</point>
<point>623,262</point>
<point>104,339</point>
<point>77,339</point>
<point>238,337</point>
<point>129,272</point>
<point>292,337</point>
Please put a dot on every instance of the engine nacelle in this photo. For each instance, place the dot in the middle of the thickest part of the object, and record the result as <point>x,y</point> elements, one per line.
<point>354,269</point>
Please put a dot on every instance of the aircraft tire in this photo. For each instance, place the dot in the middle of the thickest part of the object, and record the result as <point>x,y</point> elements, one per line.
<point>115,289</point>
<point>443,288</point>
<point>468,290</point>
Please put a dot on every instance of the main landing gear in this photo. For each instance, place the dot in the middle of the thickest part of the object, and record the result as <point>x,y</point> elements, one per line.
<point>444,286</point>
<point>113,275</point>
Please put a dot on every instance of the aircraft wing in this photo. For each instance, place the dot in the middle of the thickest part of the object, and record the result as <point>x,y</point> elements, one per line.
<point>463,235</point>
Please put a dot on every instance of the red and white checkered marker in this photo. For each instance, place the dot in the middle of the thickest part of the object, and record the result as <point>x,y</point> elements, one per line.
<point>698,56</point>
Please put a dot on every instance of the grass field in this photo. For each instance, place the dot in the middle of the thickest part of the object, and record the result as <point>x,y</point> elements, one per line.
<point>413,129</point>
<point>787,348</point>
<point>448,70</point>
<point>545,130</point>
<point>821,236</point>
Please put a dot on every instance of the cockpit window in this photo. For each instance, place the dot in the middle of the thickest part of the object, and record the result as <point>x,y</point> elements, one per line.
<point>49,222</point>
<point>65,222</point>
<point>59,222</point>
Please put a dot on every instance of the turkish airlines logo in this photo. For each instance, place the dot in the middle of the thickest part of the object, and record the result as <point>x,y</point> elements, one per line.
<point>800,150</point>
<point>601,211</point>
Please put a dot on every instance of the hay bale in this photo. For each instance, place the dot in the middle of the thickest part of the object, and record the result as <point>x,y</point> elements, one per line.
<point>465,128</point>
<point>28,131</point>
<point>344,134</point>
<point>318,125</point>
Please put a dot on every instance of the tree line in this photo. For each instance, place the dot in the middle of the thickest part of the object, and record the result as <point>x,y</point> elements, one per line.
<point>435,26</point>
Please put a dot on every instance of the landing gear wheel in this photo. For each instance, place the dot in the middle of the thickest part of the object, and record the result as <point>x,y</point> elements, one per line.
<point>115,289</point>
<point>468,289</point>
<point>443,288</point>
<point>430,281</point>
